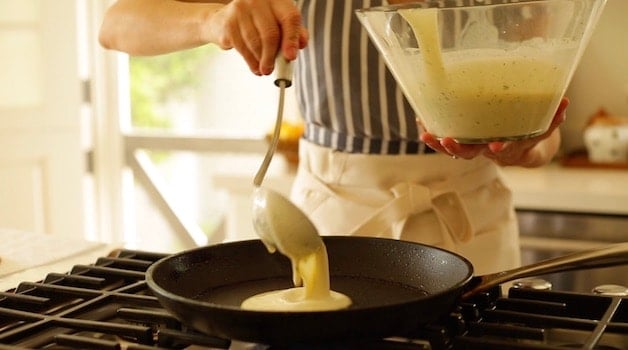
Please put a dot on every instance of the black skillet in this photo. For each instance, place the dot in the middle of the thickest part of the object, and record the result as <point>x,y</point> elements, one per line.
<point>395,287</point>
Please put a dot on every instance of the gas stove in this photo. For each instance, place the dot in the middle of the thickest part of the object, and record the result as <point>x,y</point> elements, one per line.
<point>108,305</point>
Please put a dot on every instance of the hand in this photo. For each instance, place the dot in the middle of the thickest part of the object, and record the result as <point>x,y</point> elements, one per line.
<point>258,29</point>
<point>531,152</point>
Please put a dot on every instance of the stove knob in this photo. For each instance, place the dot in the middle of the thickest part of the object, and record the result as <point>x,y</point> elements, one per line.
<point>611,290</point>
<point>533,283</point>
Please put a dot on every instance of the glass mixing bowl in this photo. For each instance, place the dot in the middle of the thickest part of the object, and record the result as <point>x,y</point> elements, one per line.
<point>478,71</point>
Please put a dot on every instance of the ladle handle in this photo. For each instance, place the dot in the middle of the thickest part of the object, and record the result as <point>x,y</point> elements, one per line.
<point>616,254</point>
<point>283,71</point>
<point>283,74</point>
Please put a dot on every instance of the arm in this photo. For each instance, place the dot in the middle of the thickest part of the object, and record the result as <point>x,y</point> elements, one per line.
<point>529,153</point>
<point>257,29</point>
<point>152,27</point>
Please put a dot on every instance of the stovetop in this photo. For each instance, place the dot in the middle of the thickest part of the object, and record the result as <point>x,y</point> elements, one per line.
<point>108,305</point>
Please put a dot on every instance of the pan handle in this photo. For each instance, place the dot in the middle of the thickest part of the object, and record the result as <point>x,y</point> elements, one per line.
<point>616,254</point>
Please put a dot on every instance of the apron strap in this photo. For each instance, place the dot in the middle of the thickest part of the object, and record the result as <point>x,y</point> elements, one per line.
<point>443,197</point>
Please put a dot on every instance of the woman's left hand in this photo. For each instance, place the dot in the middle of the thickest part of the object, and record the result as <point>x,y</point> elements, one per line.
<point>531,152</point>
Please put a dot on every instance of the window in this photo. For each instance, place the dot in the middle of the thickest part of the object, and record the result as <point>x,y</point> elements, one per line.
<point>201,95</point>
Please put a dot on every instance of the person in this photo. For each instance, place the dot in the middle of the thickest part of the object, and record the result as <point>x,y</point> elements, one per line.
<point>365,166</point>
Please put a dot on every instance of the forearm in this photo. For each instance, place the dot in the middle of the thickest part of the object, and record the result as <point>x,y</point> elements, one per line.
<point>152,27</point>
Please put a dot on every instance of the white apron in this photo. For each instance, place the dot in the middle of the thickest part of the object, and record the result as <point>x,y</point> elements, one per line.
<point>459,205</point>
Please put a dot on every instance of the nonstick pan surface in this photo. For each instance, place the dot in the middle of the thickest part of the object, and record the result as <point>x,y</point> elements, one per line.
<point>395,286</point>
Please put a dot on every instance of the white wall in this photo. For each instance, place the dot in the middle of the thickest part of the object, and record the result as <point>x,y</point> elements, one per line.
<point>601,80</point>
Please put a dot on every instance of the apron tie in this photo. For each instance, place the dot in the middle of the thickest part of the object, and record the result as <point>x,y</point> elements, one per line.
<point>410,199</point>
<point>443,197</point>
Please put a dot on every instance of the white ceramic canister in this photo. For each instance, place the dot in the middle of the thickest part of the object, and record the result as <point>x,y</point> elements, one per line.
<point>607,143</point>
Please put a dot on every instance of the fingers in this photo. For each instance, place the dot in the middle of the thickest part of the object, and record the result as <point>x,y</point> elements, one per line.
<point>459,150</point>
<point>232,28</point>
<point>304,37</point>
<point>293,35</point>
<point>259,30</point>
<point>505,153</point>
<point>525,152</point>
<point>449,146</point>
<point>267,42</point>
<point>560,115</point>
<point>496,147</point>
<point>247,42</point>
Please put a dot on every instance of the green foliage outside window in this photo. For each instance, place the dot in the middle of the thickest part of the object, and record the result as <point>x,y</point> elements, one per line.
<point>159,79</point>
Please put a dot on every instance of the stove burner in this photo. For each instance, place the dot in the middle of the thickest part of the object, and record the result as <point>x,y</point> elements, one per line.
<point>611,290</point>
<point>533,283</point>
<point>577,346</point>
<point>107,305</point>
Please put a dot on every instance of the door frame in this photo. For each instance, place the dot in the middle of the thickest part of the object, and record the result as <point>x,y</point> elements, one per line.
<point>110,105</point>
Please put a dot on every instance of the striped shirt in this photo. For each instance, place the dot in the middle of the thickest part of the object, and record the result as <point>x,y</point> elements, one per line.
<point>348,98</point>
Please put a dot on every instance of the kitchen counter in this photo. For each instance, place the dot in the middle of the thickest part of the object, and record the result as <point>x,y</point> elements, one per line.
<point>28,256</point>
<point>558,188</point>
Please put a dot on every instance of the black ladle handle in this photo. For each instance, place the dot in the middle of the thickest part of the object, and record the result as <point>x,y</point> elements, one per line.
<point>615,254</point>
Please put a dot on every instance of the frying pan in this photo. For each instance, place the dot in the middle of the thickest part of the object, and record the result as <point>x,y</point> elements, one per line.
<point>395,286</point>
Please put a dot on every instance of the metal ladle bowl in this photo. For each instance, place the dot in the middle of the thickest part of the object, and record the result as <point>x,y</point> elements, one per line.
<point>279,223</point>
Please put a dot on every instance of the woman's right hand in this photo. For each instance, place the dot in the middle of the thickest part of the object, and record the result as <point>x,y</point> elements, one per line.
<point>258,30</point>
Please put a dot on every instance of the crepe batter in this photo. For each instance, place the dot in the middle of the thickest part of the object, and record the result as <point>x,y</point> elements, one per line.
<point>481,95</point>
<point>314,295</point>
<point>310,268</point>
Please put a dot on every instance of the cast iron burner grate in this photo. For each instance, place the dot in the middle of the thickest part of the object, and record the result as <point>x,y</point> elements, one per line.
<point>107,305</point>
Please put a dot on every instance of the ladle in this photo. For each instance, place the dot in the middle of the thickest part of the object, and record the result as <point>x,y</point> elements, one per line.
<point>279,223</point>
